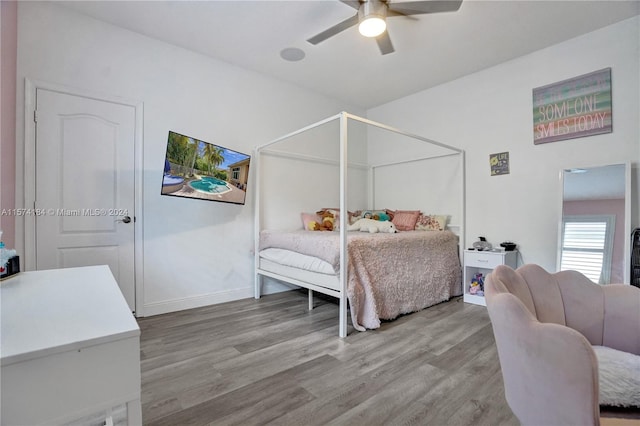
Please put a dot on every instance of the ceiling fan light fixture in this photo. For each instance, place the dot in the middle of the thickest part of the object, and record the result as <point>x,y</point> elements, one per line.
<point>372,15</point>
<point>372,26</point>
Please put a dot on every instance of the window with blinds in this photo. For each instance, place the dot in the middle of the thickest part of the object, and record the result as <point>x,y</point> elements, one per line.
<point>587,246</point>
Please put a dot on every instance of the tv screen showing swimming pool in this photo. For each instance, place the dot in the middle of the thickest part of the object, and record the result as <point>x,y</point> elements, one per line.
<point>205,171</point>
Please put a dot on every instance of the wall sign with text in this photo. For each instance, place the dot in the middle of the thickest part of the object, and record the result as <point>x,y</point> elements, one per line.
<point>573,108</point>
<point>499,163</point>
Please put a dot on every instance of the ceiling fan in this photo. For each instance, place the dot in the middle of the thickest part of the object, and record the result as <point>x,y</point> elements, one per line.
<point>372,14</point>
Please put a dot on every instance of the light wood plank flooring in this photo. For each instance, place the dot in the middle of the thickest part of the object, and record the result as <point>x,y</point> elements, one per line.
<point>271,361</point>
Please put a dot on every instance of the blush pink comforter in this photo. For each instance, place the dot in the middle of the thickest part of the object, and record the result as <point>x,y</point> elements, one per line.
<point>388,274</point>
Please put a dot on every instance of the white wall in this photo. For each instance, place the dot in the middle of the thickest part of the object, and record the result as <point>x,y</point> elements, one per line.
<point>491,111</point>
<point>195,252</point>
<point>414,174</point>
<point>307,177</point>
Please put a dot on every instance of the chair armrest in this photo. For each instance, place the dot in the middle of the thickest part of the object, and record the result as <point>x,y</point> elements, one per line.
<point>621,318</point>
<point>549,370</point>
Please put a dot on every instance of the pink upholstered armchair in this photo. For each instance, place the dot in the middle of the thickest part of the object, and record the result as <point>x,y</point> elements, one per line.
<point>544,326</point>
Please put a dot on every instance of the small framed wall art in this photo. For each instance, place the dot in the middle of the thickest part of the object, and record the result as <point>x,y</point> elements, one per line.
<point>499,163</point>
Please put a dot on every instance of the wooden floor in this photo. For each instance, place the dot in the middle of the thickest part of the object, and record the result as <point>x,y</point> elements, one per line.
<point>271,361</point>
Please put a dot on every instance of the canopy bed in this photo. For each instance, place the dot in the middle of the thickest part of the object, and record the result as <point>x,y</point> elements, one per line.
<point>358,163</point>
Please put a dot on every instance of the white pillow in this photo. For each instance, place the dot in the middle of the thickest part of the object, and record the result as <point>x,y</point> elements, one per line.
<point>619,377</point>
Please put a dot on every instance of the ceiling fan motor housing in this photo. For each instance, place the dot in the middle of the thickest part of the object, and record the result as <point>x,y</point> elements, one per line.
<point>371,9</point>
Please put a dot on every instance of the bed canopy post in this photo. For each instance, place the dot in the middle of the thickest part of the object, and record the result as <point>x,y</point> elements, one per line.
<point>257,283</point>
<point>371,181</point>
<point>463,211</point>
<point>343,225</point>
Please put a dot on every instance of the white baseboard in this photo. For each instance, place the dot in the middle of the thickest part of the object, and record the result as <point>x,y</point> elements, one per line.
<point>157,308</point>
<point>269,286</point>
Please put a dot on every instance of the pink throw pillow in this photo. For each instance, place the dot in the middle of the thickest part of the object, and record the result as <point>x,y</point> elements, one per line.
<point>405,220</point>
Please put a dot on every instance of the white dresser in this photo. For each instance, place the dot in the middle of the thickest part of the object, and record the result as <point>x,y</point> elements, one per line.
<point>70,348</point>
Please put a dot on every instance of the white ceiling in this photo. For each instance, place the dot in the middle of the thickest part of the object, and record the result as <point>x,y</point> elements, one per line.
<point>430,50</point>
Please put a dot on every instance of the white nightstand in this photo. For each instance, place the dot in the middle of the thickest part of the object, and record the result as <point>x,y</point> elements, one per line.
<point>484,262</point>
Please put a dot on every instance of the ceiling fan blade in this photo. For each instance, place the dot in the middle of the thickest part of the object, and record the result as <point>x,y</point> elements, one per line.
<point>334,30</point>
<point>384,43</point>
<point>353,3</point>
<point>392,13</point>
<point>427,6</point>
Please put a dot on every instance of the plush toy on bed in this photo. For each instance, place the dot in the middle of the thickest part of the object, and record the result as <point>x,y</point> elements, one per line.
<point>326,222</point>
<point>382,217</point>
<point>328,219</point>
<point>377,215</point>
<point>373,226</point>
<point>315,226</point>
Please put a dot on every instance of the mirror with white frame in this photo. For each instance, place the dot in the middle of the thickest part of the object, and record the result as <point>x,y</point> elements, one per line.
<point>595,223</point>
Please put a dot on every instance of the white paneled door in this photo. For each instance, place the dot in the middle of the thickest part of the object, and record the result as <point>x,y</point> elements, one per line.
<point>85,188</point>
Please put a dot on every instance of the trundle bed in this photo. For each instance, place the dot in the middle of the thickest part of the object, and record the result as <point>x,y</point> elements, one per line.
<point>381,276</point>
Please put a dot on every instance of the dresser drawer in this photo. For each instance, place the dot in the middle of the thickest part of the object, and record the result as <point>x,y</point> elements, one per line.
<point>487,260</point>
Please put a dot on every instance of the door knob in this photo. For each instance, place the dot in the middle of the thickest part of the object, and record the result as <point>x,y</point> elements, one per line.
<point>125,219</point>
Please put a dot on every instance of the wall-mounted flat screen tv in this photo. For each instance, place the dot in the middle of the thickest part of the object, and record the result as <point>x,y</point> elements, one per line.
<point>205,171</point>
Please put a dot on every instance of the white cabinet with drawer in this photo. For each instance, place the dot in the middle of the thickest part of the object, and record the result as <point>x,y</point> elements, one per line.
<point>483,262</point>
<point>70,349</point>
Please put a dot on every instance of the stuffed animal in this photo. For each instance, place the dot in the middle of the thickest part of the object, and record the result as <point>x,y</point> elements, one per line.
<point>373,226</point>
<point>328,219</point>
<point>314,226</point>
<point>381,216</point>
<point>326,222</point>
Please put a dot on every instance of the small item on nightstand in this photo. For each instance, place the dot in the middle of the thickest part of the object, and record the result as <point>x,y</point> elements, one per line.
<point>479,277</point>
<point>482,245</point>
<point>9,262</point>
<point>477,285</point>
<point>508,245</point>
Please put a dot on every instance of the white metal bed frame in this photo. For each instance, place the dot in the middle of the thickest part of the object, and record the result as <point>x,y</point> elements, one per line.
<point>341,294</point>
